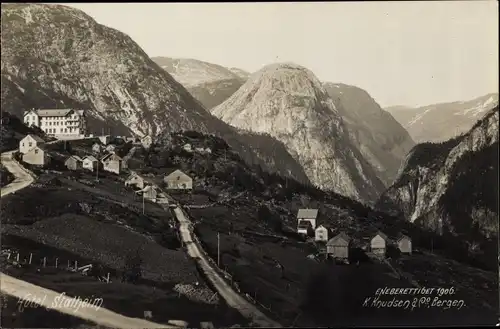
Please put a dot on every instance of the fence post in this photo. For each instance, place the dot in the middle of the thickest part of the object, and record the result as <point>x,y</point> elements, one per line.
<point>68,264</point>
<point>76,265</point>
<point>31,257</point>
<point>57,259</point>
<point>107,278</point>
<point>17,258</point>
<point>8,257</point>
<point>44,261</point>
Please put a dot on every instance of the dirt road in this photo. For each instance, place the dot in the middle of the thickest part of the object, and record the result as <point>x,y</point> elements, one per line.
<point>232,298</point>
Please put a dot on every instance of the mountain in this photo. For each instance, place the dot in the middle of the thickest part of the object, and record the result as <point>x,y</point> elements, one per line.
<point>241,73</point>
<point>289,103</point>
<point>210,84</point>
<point>55,56</point>
<point>440,122</point>
<point>382,141</point>
<point>451,187</point>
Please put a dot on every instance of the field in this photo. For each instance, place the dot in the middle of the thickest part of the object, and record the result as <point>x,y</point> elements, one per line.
<point>73,217</point>
<point>5,176</point>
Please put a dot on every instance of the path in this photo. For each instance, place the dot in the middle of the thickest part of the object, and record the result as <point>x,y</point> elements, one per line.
<point>21,289</point>
<point>232,298</point>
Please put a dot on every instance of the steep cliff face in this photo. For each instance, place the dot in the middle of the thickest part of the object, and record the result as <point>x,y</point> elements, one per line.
<point>209,83</point>
<point>440,122</point>
<point>452,187</point>
<point>378,136</point>
<point>56,56</point>
<point>288,102</point>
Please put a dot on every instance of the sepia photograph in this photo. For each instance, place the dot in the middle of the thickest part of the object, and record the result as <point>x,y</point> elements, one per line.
<point>254,164</point>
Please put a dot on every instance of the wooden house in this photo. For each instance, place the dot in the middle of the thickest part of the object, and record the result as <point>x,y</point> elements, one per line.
<point>404,244</point>
<point>178,180</point>
<point>150,192</point>
<point>308,214</point>
<point>338,246</point>
<point>90,163</point>
<point>110,148</point>
<point>321,233</point>
<point>74,162</point>
<point>37,156</point>
<point>187,147</point>
<point>378,244</point>
<point>135,180</point>
<point>29,142</point>
<point>112,163</point>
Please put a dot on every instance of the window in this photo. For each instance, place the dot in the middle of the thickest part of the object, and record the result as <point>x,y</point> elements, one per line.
<point>36,151</point>
<point>22,144</point>
<point>65,130</point>
<point>30,144</point>
<point>60,130</point>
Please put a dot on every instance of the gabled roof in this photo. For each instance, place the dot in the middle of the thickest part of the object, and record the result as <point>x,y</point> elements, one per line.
<point>91,158</point>
<point>53,112</point>
<point>401,237</point>
<point>307,213</point>
<point>112,157</point>
<point>322,226</point>
<point>177,173</point>
<point>38,139</point>
<point>339,236</point>
<point>76,157</point>
<point>381,234</point>
<point>36,148</point>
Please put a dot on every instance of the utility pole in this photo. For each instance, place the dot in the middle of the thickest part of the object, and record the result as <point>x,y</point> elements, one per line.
<point>143,202</point>
<point>218,249</point>
<point>97,171</point>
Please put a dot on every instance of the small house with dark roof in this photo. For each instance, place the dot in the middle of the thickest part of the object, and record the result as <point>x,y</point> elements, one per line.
<point>378,244</point>
<point>404,244</point>
<point>338,246</point>
<point>178,180</point>
<point>97,148</point>
<point>112,163</point>
<point>37,156</point>
<point>308,214</point>
<point>135,180</point>
<point>105,139</point>
<point>90,162</point>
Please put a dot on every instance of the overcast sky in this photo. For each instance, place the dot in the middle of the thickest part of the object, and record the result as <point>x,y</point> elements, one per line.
<point>402,53</point>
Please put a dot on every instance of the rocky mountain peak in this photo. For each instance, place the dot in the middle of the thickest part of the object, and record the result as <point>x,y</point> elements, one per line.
<point>288,102</point>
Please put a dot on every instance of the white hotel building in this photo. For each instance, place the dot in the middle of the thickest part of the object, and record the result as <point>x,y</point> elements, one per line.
<point>60,123</point>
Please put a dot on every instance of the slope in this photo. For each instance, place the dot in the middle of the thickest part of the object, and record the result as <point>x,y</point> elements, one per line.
<point>210,84</point>
<point>54,56</point>
<point>450,187</point>
<point>289,103</point>
<point>440,122</point>
<point>378,136</point>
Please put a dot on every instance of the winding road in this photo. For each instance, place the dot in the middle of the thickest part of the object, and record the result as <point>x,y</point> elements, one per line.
<point>232,298</point>
<point>47,298</point>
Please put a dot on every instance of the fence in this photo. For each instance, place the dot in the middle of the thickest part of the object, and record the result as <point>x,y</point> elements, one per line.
<point>15,258</point>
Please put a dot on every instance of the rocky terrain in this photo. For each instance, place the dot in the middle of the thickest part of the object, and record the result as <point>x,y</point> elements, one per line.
<point>241,73</point>
<point>56,56</point>
<point>451,187</point>
<point>379,137</point>
<point>440,122</point>
<point>210,84</point>
<point>289,103</point>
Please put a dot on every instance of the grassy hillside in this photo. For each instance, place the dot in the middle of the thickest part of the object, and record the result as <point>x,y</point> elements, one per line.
<point>12,130</point>
<point>254,214</point>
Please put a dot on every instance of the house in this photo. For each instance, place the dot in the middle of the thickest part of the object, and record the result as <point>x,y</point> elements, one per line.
<point>200,150</point>
<point>135,180</point>
<point>60,123</point>
<point>112,163</point>
<point>91,163</point>
<point>105,139</point>
<point>187,147</point>
<point>37,156</point>
<point>404,244</point>
<point>111,148</point>
<point>146,141</point>
<point>338,246</point>
<point>150,192</point>
<point>378,244</point>
<point>304,227</point>
<point>73,162</point>
<point>29,142</point>
<point>309,215</point>
<point>178,181</point>
<point>321,233</point>
<point>97,148</point>
<point>208,150</point>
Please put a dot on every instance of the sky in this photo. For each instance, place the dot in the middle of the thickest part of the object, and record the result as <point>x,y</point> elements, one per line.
<point>402,53</point>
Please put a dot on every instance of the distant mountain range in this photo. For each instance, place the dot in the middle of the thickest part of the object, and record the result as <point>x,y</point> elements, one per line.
<point>452,187</point>
<point>440,122</point>
<point>210,84</point>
